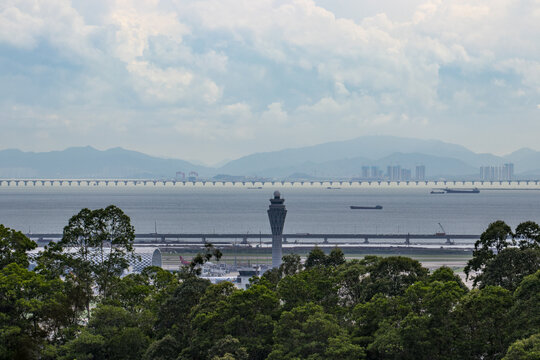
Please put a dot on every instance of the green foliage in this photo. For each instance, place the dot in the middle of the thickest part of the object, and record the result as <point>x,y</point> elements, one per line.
<point>374,308</point>
<point>290,265</point>
<point>509,267</point>
<point>495,237</point>
<point>194,267</point>
<point>484,317</point>
<point>315,285</point>
<point>167,348</point>
<point>317,257</point>
<point>525,313</point>
<point>526,349</point>
<point>307,332</point>
<point>417,325</point>
<point>494,263</point>
<point>391,275</point>
<point>112,334</point>
<point>94,249</point>
<point>34,310</point>
<point>528,235</point>
<point>180,303</point>
<point>227,348</point>
<point>14,246</point>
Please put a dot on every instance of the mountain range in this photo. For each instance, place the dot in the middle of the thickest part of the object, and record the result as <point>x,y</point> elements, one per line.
<point>339,159</point>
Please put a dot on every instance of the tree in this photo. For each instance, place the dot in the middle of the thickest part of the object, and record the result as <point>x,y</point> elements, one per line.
<point>166,348</point>
<point>250,316</point>
<point>444,274</point>
<point>484,322</point>
<point>223,312</point>
<point>528,235</point>
<point>180,303</point>
<point>316,257</point>
<point>509,267</point>
<point>33,311</point>
<point>314,284</point>
<point>112,334</point>
<point>494,263</point>
<point>336,257</point>
<point>14,246</point>
<point>227,347</point>
<point>525,312</point>
<point>94,249</point>
<point>207,322</point>
<point>495,237</point>
<point>307,332</point>
<point>290,265</point>
<point>417,325</point>
<point>194,267</point>
<point>526,349</point>
<point>391,275</point>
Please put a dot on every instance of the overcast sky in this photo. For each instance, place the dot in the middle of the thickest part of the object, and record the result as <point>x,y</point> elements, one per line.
<point>211,80</point>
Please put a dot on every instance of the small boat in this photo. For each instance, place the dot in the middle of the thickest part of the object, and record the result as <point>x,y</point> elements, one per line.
<point>377,207</point>
<point>438,192</point>
<point>254,187</point>
<point>333,188</point>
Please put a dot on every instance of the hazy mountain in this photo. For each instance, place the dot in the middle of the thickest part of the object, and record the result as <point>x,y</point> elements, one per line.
<point>329,160</point>
<point>526,160</point>
<point>87,162</point>
<point>370,147</point>
<point>436,166</point>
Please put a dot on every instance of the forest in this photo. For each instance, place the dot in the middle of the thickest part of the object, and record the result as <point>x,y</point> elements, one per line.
<point>72,301</point>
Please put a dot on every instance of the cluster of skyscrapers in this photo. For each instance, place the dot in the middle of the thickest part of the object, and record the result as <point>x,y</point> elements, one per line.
<point>497,173</point>
<point>393,173</point>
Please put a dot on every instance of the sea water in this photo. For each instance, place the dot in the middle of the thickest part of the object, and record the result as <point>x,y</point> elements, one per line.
<point>242,210</point>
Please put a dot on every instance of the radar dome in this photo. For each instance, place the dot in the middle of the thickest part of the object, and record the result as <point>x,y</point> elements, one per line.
<point>277,194</point>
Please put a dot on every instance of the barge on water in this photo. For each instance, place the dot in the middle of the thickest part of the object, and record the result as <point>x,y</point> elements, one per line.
<point>377,207</point>
<point>462,191</point>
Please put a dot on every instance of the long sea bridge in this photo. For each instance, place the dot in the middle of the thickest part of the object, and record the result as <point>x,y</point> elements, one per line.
<point>256,184</point>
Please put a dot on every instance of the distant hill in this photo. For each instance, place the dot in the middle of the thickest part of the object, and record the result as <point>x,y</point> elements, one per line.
<point>340,159</point>
<point>87,162</point>
<point>346,158</point>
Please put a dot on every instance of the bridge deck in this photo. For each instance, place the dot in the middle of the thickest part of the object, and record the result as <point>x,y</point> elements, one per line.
<point>245,236</point>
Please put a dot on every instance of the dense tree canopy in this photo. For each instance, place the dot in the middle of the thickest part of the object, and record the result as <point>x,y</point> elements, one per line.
<point>326,308</point>
<point>495,262</point>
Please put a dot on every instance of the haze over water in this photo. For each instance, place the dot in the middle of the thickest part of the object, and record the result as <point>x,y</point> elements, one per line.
<point>229,210</point>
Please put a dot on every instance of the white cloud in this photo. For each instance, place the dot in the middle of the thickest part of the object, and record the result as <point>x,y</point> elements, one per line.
<point>214,70</point>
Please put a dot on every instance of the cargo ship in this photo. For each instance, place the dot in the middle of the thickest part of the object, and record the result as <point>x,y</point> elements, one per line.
<point>377,207</point>
<point>462,191</point>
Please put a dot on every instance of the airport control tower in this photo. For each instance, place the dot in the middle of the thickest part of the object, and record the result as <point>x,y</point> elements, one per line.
<point>276,214</point>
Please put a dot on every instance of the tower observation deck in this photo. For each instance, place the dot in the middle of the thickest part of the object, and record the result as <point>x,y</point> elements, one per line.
<point>276,215</point>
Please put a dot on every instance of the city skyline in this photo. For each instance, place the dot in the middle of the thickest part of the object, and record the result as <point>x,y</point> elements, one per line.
<point>215,80</point>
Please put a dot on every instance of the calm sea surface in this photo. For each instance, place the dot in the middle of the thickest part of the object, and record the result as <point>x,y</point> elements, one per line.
<point>244,210</point>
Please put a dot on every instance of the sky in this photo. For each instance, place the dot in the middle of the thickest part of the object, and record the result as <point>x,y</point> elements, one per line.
<point>211,80</point>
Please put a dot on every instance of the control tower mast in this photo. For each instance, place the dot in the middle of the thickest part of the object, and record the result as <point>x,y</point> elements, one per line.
<point>276,215</point>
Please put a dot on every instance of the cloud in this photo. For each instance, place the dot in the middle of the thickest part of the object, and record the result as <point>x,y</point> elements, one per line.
<point>235,73</point>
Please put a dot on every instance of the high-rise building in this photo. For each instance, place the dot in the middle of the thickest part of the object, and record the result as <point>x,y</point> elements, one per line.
<point>405,174</point>
<point>396,173</point>
<point>375,174</point>
<point>365,172</point>
<point>420,173</point>
<point>497,173</point>
<point>508,171</point>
